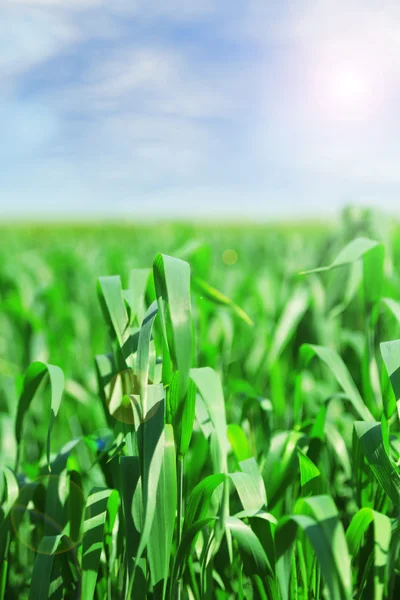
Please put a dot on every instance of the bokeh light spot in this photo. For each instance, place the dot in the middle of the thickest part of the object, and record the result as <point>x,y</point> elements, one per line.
<point>230,256</point>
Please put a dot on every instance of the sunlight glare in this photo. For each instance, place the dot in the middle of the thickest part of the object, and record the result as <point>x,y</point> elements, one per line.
<point>347,89</point>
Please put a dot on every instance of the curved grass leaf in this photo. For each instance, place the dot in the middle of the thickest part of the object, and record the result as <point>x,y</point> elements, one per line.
<point>309,474</point>
<point>8,498</point>
<point>114,309</point>
<point>382,535</point>
<point>209,386</point>
<point>393,306</point>
<point>250,486</point>
<point>143,353</point>
<point>162,531</point>
<point>255,560</point>
<point>338,368</point>
<point>248,491</point>
<point>172,283</point>
<point>34,376</point>
<point>251,468</point>
<point>151,453</point>
<point>239,442</point>
<point>219,298</point>
<point>350,253</point>
<point>184,549</point>
<point>132,505</point>
<point>200,499</point>
<point>319,519</point>
<point>373,274</point>
<point>281,466</point>
<point>181,412</point>
<point>98,504</point>
<point>391,357</point>
<point>286,326</point>
<point>371,441</point>
<point>135,294</point>
<point>10,489</point>
<point>43,567</point>
<point>352,285</point>
<point>186,421</point>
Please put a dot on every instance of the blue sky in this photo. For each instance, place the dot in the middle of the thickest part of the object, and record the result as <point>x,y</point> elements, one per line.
<point>198,108</point>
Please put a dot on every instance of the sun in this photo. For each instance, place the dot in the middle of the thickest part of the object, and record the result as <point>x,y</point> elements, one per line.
<point>346,89</point>
<point>349,88</point>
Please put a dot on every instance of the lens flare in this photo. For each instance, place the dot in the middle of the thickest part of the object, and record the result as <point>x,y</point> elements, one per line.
<point>230,256</point>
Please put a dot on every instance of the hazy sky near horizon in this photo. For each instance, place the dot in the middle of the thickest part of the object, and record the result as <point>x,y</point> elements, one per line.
<point>246,109</point>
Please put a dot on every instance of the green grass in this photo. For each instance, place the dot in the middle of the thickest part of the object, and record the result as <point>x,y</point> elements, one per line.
<point>173,426</point>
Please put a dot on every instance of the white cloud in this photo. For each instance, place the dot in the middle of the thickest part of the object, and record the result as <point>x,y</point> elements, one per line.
<point>30,36</point>
<point>27,41</point>
<point>150,79</point>
<point>131,69</point>
<point>148,116</point>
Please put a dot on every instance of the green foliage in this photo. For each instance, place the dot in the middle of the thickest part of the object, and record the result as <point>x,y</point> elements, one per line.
<point>211,430</point>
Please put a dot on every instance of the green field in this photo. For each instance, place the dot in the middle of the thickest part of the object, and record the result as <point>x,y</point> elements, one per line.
<point>185,413</point>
